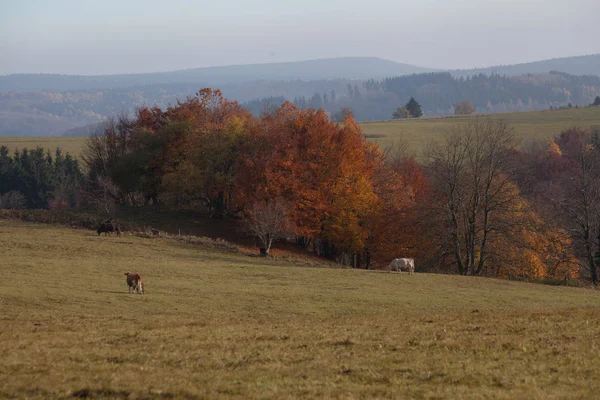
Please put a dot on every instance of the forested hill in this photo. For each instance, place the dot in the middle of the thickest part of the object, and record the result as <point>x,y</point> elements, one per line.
<point>360,68</point>
<point>53,113</point>
<point>581,65</point>
<point>438,93</point>
<point>355,68</point>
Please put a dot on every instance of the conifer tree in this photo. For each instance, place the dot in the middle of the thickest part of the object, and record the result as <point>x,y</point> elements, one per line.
<point>414,108</point>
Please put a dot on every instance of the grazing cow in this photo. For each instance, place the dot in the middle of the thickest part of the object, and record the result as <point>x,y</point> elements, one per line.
<point>400,264</point>
<point>134,283</point>
<point>107,227</point>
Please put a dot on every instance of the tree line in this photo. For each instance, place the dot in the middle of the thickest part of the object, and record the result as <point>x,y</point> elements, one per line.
<point>442,94</point>
<point>38,179</point>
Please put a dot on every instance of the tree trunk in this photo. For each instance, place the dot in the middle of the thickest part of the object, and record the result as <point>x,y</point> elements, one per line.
<point>455,236</point>
<point>486,216</point>
<point>589,251</point>
<point>367,258</point>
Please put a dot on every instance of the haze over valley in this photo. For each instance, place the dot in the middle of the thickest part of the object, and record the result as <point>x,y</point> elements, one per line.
<point>50,104</point>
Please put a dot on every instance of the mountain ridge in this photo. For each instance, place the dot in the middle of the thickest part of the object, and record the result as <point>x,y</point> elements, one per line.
<point>359,68</point>
<point>588,64</point>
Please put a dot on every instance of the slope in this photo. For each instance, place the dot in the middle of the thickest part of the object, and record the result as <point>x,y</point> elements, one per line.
<point>215,324</point>
<point>534,125</point>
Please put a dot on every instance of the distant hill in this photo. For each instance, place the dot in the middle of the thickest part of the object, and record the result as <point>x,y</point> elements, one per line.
<point>53,113</point>
<point>581,65</point>
<point>86,130</point>
<point>331,68</point>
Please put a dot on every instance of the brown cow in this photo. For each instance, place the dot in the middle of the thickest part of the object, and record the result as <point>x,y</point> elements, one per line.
<point>134,282</point>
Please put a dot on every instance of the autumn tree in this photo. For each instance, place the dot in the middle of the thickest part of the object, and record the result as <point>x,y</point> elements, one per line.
<point>464,108</point>
<point>401,113</point>
<point>414,108</point>
<point>325,171</point>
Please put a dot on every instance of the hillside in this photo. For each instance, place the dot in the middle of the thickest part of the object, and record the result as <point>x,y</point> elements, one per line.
<point>217,324</point>
<point>332,68</point>
<point>581,65</point>
<point>527,125</point>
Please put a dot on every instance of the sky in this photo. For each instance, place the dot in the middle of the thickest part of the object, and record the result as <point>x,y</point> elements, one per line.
<point>132,36</point>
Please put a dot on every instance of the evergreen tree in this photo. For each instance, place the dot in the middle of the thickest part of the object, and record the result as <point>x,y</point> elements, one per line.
<point>40,177</point>
<point>596,101</point>
<point>316,102</point>
<point>414,108</point>
<point>357,94</point>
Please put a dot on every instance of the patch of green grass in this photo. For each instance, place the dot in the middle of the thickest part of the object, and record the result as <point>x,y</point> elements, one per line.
<point>218,324</point>
<point>528,125</point>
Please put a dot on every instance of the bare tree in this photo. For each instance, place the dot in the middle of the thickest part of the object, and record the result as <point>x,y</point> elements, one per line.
<point>269,222</point>
<point>464,108</point>
<point>106,196</point>
<point>472,171</point>
<point>578,201</point>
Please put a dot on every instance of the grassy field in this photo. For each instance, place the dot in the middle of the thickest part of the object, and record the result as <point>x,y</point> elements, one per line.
<point>528,125</point>
<point>224,325</point>
<point>415,132</point>
<point>72,145</point>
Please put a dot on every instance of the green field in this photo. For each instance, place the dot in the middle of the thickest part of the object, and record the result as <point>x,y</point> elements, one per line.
<point>224,325</point>
<point>415,132</point>
<point>528,125</point>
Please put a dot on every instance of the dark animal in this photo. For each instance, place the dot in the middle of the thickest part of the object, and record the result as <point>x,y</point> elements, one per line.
<point>107,227</point>
<point>155,231</point>
<point>134,283</point>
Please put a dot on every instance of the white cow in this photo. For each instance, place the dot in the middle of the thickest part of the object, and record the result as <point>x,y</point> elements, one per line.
<point>400,264</point>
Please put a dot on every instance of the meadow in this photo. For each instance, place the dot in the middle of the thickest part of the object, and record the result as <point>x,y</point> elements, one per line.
<point>534,125</point>
<point>221,324</point>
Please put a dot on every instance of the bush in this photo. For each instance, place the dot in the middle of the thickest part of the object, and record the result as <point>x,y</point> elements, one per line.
<point>12,200</point>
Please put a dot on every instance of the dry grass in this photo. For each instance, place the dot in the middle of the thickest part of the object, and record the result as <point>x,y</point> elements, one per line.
<point>528,125</point>
<point>71,145</point>
<point>221,324</point>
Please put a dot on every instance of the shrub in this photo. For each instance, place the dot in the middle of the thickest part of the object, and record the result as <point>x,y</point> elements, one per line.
<point>12,200</point>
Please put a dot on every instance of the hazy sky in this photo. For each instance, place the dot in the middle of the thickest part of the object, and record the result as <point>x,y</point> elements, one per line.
<point>110,36</point>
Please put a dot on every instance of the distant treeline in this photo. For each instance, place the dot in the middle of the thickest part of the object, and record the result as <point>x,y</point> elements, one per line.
<point>439,93</point>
